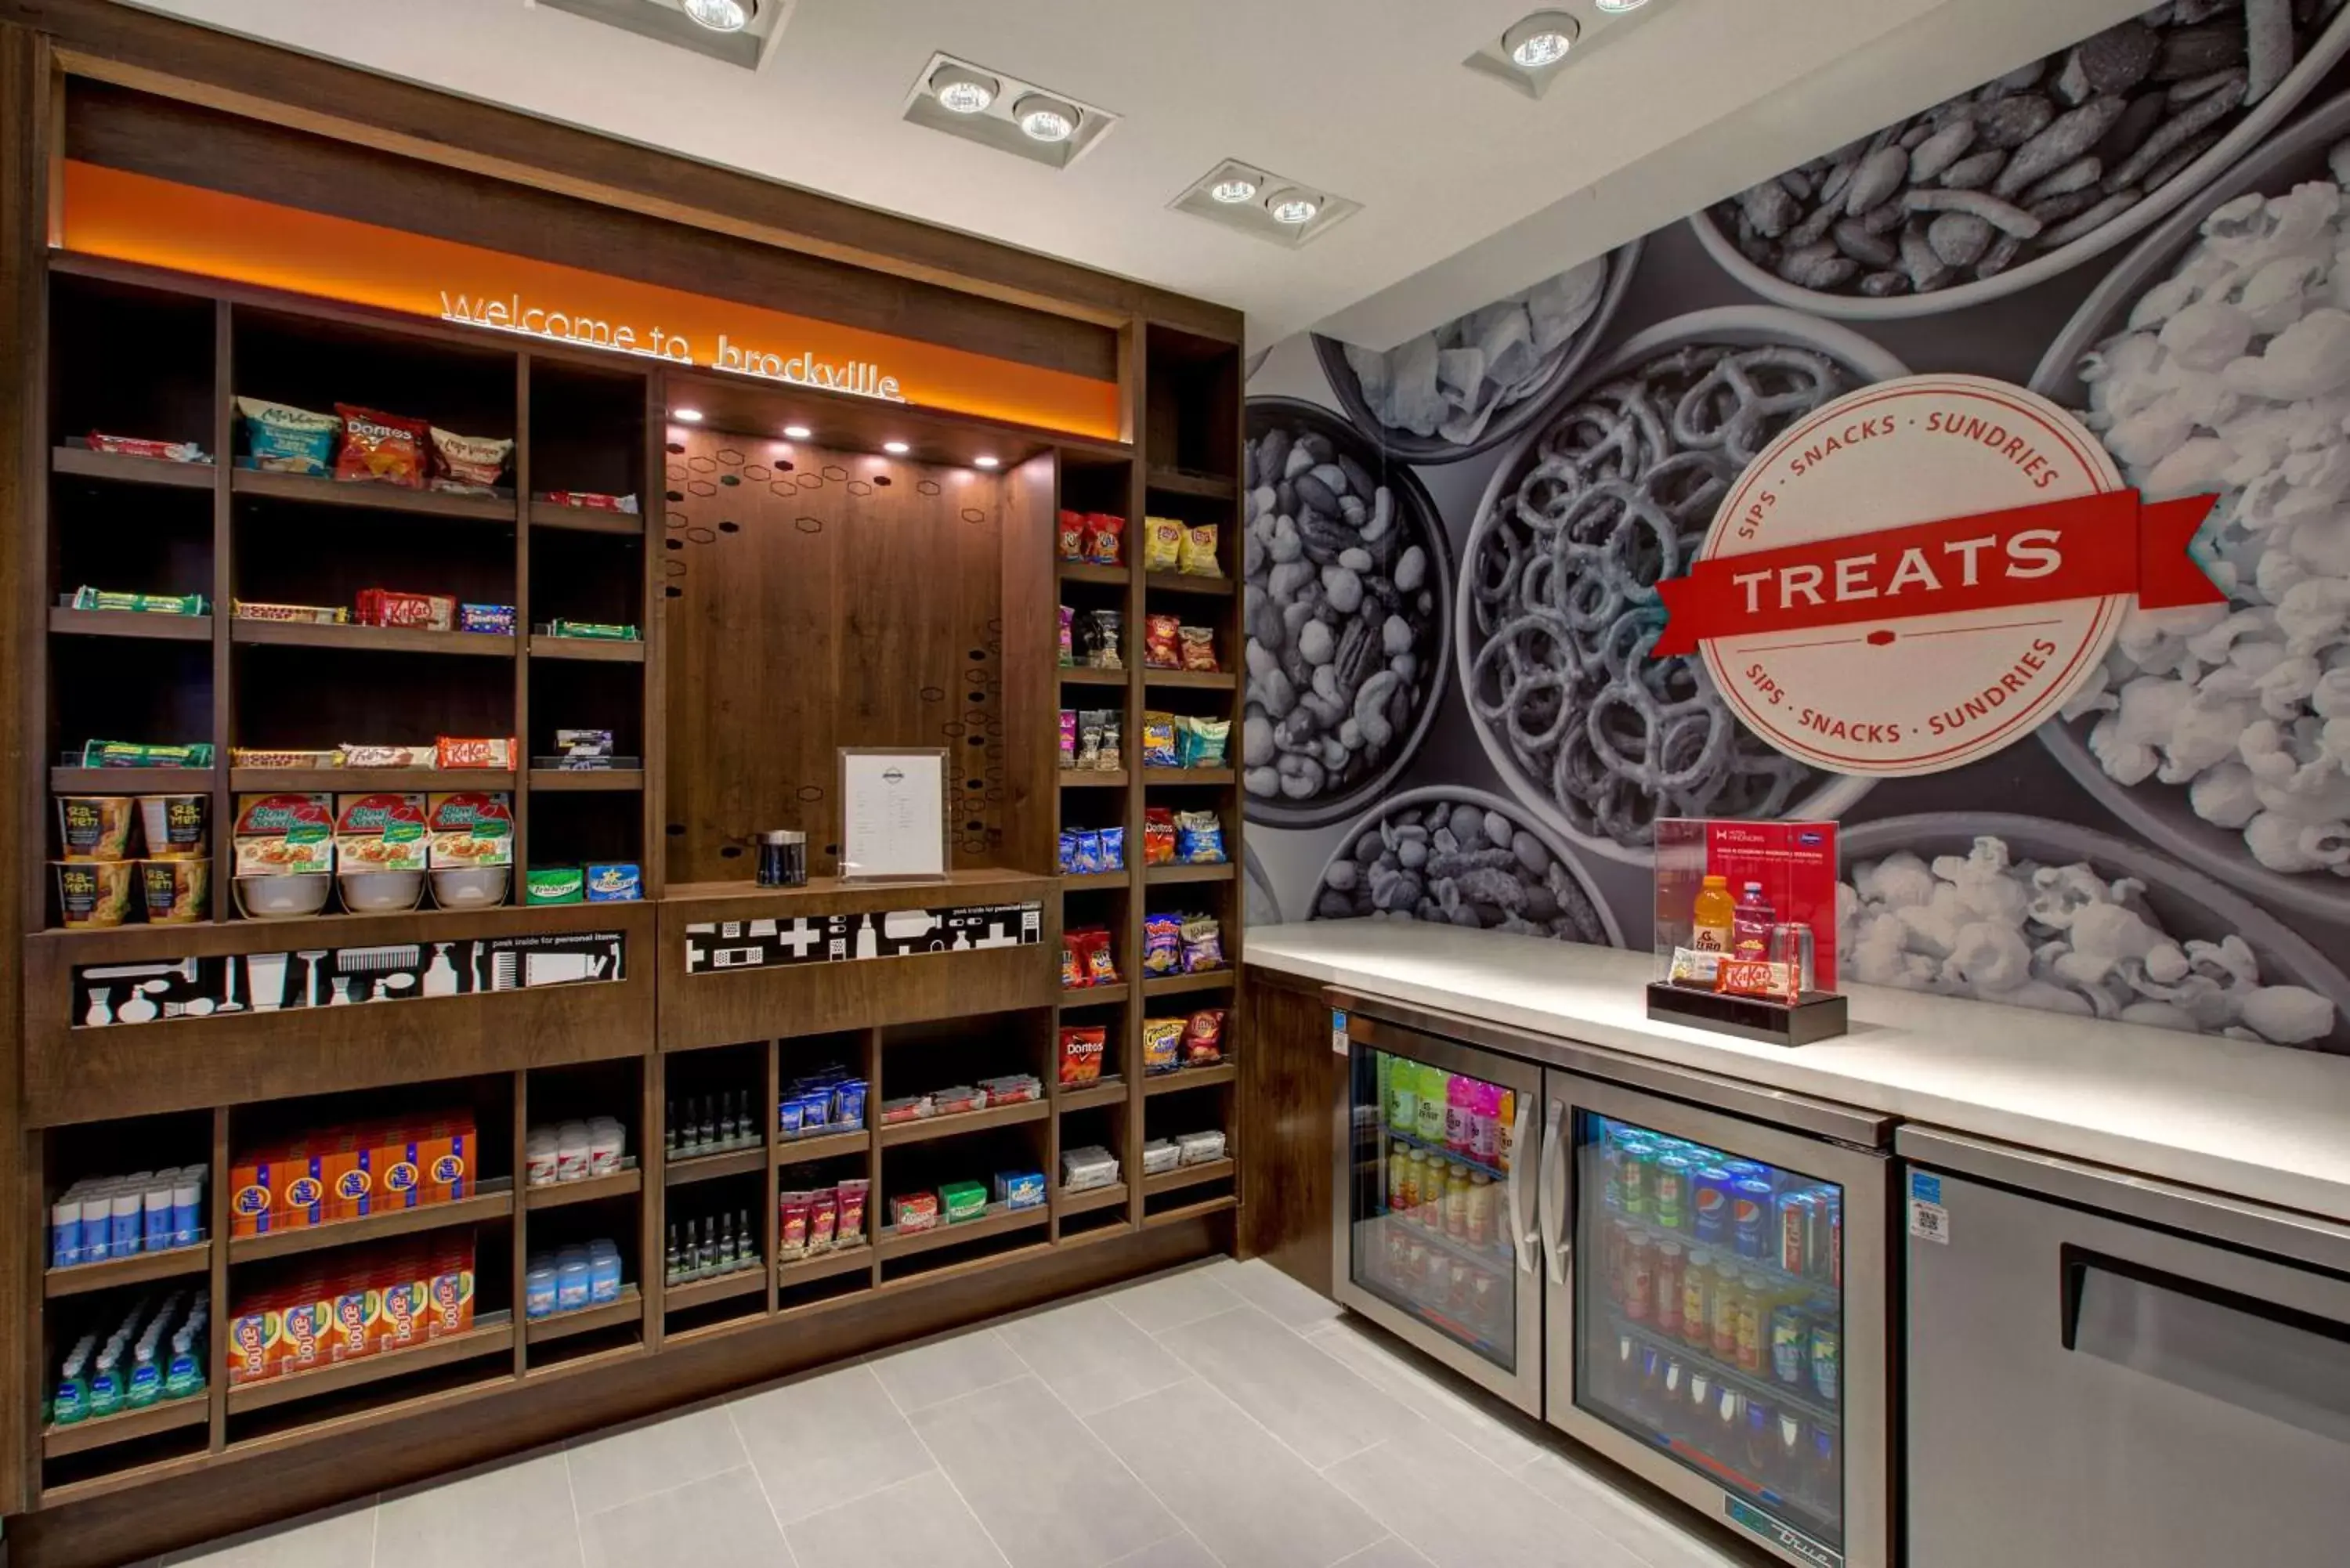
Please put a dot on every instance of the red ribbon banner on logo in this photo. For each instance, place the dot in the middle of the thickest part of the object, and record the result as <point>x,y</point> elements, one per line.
<point>2092,546</point>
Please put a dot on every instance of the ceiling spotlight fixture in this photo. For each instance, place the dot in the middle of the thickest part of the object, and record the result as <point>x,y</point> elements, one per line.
<point>985,462</point>
<point>1542,40</point>
<point>895,448</point>
<point>721,16</point>
<point>1618,8</point>
<point>963,90</point>
<point>797,432</point>
<point>1235,189</point>
<point>691,416</point>
<point>1293,206</point>
<point>1045,118</point>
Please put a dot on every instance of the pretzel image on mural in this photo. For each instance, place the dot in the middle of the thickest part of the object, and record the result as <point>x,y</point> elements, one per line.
<point>1920,573</point>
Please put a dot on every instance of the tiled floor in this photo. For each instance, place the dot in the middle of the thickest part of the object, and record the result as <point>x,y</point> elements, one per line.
<point>1219,1415</point>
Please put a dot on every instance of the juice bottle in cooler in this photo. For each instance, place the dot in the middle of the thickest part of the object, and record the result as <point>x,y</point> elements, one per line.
<point>1432,1091</point>
<point>1505,1120</point>
<point>1729,1294</point>
<point>1400,1093</point>
<point>1459,1096</point>
<point>1456,1203</point>
<point>1485,1124</point>
<point>1401,1189</point>
<point>1754,1317</point>
<point>1697,1300</point>
<point>1670,1289</point>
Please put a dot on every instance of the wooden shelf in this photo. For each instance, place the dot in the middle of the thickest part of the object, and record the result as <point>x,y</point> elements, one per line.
<point>686,1171</point>
<point>1190,1211</point>
<point>586,520</point>
<point>725,1287</point>
<point>587,781</point>
<point>1092,778</point>
<point>1180,482</point>
<point>1099,879</point>
<point>826,1265</point>
<point>1190,1078</point>
<point>563,1194</point>
<point>1177,984</point>
<point>1085,1096</point>
<point>132,781</point>
<point>995,1222</point>
<point>1094,995</point>
<point>304,780</point>
<point>491,1203</point>
<point>1197,776</point>
<point>83,464</point>
<point>1167,876</point>
<point>315,491</point>
<point>372,639</point>
<point>586,649</point>
<point>139,1269</point>
<point>629,1308</point>
<point>125,1425</point>
<point>1187,1175</point>
<point>1087,572</point>
<point>988,884</point>
<point>1183,583</point>
<point>929,1128</point>
<point>1093,1198</point>
<point>1209,679</point>
<point>1087,675</point>
<point>827,1146</point>
<point>490,1334</point>
<point>130,623</point>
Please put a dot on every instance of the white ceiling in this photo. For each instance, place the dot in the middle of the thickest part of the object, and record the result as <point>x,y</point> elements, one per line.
<point>1469,190</point>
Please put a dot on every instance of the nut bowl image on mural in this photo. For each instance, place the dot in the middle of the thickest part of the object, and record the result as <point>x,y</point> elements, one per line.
<point>2215,359</point>
<point>2033,913</point>
<point>1611,492</point>
<point>1462,857</point>
<point>1472,383</point>
<point>2058,161</point>
<point>1348,579</point>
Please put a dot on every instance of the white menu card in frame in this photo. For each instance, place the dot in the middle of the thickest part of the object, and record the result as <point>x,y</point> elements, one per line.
<point>893,813</point>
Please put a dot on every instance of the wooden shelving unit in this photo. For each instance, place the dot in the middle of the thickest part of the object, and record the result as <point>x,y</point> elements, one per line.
<point>488,1205</point>
<point>139,1269</point>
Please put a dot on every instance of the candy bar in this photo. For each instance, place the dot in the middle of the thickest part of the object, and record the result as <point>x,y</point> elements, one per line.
<point>319,615</point>
<point>489,752</point>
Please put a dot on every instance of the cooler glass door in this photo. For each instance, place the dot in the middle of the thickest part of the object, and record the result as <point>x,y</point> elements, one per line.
<point>1705,1329</point>
<point>1435,1239</point>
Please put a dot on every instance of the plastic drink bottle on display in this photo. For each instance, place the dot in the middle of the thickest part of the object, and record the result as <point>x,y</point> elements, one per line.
<point>1713,916</point>
<point>1750,924</point>
<point>1434,1086</point>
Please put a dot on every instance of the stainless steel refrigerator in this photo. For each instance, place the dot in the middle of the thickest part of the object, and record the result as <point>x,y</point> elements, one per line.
<point>1685,1272</point>
<point>2105,1369</point>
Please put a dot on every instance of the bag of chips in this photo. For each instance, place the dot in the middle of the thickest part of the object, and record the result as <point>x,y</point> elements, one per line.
<point>1203,944</point>
<point>1089,858</point>
<point>1160,836</point>
<point>287,441</point>
<point>1196,556</point>
<point>1068,636</point>
<point>1162,642</point>
<point>468,465</point>
<point>1203,1039</point>
<point>1198,648</point>
<point>1162,544</point>
<point>1068,737</point>
<point>1101,964</point>
<point>1103,633</point>
<point>1112,755</point>
<point>1201,741</point>
<point>1082,1049</point>
<point>1163,945</point>
<point>1073,536</point>
<point>382,448</point>
<point>1199,838</point>
<point>1160,748</point>
<point>1113,849</point>
<point>1105,539</point>
<point>1162,1045</point>
<point>1073,962</point>
<point>1068,850</point>
<point>1089,739</point>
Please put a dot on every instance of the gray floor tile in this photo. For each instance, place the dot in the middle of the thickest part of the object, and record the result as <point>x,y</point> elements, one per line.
<point>918,1523</point>
<point>1250,1501</point>
<point>1310,1402</point>
<point>1659,1538</point>
<point>1049,1493</point>
<point>947,1368</point>
<point>1092,1355</point>
<point>721,1521</point>
<point>822,1442</point>
<point>1182,1551</point>
<point>1269,1290</point>
<point>1173,1300</point>
<point>1437,1397</point>
<point>514,1515</point>
<point>1391,1552</point>
<point>1462,1512</point>
<point>345,1535</point>
<point>621,1466</point>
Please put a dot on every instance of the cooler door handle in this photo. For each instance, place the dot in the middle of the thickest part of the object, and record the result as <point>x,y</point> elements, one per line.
<point>1558,1244</point>
<point>1521,1227</point>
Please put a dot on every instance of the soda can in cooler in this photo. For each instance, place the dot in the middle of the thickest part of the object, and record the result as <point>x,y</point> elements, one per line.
<point>1818,1249</point>
<point>1668,1198</point>
<point>1486,1304</point>
<point>1793,1230</point>
<point>1611,1172</point>
<point>1791,1345</point>
<point>1750,1217</point>
<point>1710,1204</point>
<point>1745,1169</point>
<point>1825,1361</point>
<point>1836,1242</point>
<point>1640,1280</point>
<point>1635,1175</point>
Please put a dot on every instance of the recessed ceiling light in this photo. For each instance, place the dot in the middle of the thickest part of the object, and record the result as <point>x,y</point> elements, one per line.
<point>1233,190</point>
<point>1045,118</point>
<point>963,90</point>
<point>895,448</point>
<point>797,432</point>
<point>1541,41</point>
<point>985,462</point>
<point>1292,206</point>
<point>721,16</point>
<point>691,416</point>
<point>1618,8</point>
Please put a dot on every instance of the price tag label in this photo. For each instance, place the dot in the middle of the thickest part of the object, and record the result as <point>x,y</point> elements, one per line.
<point>1928,1220</point>
<point>1337,1033</point>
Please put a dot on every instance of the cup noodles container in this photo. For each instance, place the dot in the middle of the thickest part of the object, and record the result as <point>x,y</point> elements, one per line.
<point>94,826</point>
<point>175,825</point>
<point>285,834</point>
<point>176,892</point>
<point>467,828</point>
<point>93,894</point>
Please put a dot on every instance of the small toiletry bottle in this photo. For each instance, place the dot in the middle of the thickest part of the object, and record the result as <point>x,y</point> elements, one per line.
<point>129,1202</point>
<point>705,1126</point>
<point>155,1211</point>
<point>146,1375</point>
<point>607,1141</point>
<point>571,1149</point>
<point>65,1230</point>
<point>749,1250</point>
<point>538,1288</point>
<point>572,1283</point>
<point>705,1254</point>
<point>187,1207</point>
<point>726,1243</point>
<point>185,1375</point>
<point>541,1158</point>
<point>72,1398</point>
<point>671,1264</point>
<point>106,1381</point>
<point>603,1273</point>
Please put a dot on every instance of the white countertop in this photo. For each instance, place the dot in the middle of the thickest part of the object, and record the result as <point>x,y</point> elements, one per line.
<point>2260,1122</point>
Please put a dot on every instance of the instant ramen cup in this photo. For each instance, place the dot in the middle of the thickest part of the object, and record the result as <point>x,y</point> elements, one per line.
<point>175,825</point>
<point>283,897</point>
<point>94,894</point>
<point>381,892</point>
<point>470,887</point>
<point>176,892</point>
<point>94,826</point>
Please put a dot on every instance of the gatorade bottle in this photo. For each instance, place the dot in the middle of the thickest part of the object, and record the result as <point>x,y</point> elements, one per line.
<point>1714,916</point>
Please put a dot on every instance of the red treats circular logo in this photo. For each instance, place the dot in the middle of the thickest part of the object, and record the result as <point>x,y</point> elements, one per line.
<point>1921,573</point>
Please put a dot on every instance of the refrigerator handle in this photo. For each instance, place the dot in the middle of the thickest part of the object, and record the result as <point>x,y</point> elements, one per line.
<point>1521,1227</point>
<point>1559,1246</point>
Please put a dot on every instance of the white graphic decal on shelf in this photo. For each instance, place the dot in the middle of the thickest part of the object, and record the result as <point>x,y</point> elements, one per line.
<point>714,945</point>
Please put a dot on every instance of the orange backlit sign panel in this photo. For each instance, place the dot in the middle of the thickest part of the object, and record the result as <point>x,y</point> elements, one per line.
<point>158,222</point>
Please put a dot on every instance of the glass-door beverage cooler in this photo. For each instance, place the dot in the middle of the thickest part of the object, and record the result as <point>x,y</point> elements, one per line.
<point>1685,1272</point>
